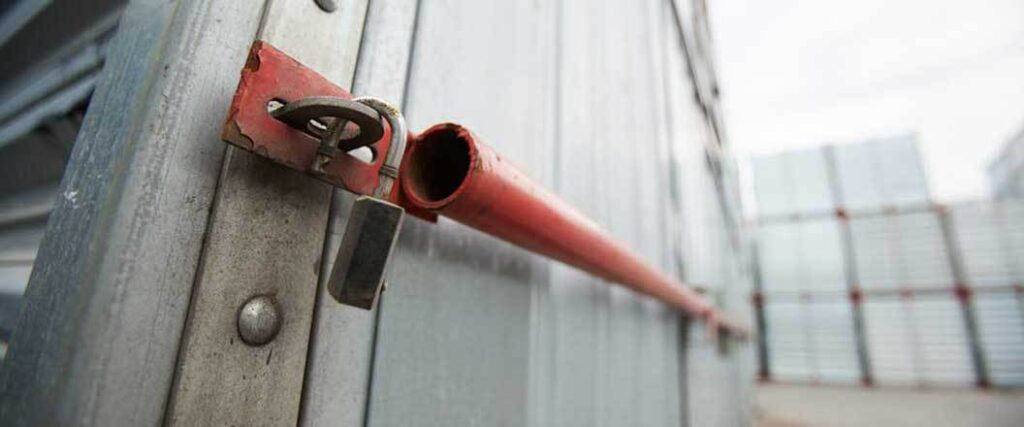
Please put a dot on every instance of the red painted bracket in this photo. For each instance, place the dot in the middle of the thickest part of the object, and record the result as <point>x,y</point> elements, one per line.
<point>271,75</point>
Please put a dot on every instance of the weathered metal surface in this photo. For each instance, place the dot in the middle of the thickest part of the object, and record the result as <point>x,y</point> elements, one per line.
<point>459,300</point>
<point>359,268</point>
<point>850,272</point>
<point>265,238</point>
<point>259,320</point>
<point>965,297</point>
<point>991,241</point>
<point>711,248</point>
<point>1001,326</point>
<point>107,301</point>
<point>269,75</point>
<point>917,341</point>
<point>589,354</point>
<point>338,369</point>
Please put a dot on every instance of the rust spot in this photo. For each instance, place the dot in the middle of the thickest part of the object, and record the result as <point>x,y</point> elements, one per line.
<point>252,63</point>
<point>233,134</point>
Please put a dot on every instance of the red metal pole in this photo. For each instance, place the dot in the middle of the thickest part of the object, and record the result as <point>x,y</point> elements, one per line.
<point>447,169</point>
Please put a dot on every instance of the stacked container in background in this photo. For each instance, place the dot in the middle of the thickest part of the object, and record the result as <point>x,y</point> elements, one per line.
<point>863,279</point>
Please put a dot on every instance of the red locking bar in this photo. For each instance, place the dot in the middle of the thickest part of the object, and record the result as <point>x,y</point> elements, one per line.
<point>448,170</point>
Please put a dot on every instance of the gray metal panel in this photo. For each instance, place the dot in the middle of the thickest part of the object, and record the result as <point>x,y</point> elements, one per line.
<point>771,185</point>
<point>98,336</point>
<point>714,389</point>
<point>919,341</point>
<point>716,395</point>
<point>453,338</point>
<point>581,319</point>
<point>341,352</point>
<point>902,181</point>
<point>991,239</point>
<point>904,250</point>
<point>881,173</point>
<point>833,341</point>
<point>801,256</point>
<point>789,347</point>
<point>265,238</point>
<point>571,351</point>
<point>1001,326</point>
<point>943,346</point>
<point>792,182</point>
<point>891,340</point>
<point>811,339</point>
<point>611,354</point>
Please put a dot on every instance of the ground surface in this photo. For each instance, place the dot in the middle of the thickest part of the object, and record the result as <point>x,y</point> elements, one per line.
<point>798,406</point>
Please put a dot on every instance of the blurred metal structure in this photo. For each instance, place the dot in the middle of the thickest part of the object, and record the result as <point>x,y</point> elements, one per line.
<point>51,59</point>
<point>160,236</point>
<point>865,280</point>
<point>1006,171</point>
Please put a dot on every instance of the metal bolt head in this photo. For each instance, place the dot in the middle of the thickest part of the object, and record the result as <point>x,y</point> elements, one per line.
<point>327,5</point>
<point>259,320</point>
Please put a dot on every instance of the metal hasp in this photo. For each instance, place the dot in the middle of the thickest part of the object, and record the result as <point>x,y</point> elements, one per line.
<point>272,80</point>
<point>447,170</point>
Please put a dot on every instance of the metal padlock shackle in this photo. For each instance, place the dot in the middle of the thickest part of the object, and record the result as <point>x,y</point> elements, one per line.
<point>399,135</point>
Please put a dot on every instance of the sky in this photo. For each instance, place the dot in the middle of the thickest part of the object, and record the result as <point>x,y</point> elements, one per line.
<point>801,73</point>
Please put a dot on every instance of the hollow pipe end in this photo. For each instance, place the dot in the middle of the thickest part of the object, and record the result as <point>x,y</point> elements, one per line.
<point>438,165</point>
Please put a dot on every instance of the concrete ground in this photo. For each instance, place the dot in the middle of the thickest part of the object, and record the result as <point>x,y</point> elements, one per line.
<point>784,405</point>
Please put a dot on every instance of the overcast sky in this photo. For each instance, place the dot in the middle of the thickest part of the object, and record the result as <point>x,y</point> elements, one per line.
<point>799,73</point>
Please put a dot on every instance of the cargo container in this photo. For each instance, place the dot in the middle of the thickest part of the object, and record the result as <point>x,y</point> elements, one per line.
<point>143,260</point>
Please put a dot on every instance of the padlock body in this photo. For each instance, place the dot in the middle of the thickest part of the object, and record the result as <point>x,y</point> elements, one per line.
<point>366,247</point>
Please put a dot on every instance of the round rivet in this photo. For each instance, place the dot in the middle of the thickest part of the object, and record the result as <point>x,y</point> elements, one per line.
<point>259,320</point>
<point>327,5</point>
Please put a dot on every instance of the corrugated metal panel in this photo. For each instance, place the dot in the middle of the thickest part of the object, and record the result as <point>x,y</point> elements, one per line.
<point>833,340</point>
<point>792,182</point>
<point>923,255</point>
<point>779,257</point>
<point>941,335</point>
<point>902,176</point>
<point>991,239</point>
<point>881,173</point>
<point>801,256</point>
<point>890,339</point>
<point>811,340</point>
<point>1001,324</point>
<point>503,337</point>
<point>901,251</point>
<point>789,347</point>
<point>771,185</point>
<point>918,340</point>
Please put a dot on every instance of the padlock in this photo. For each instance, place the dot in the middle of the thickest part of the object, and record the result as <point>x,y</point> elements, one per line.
<point>372,230</point>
